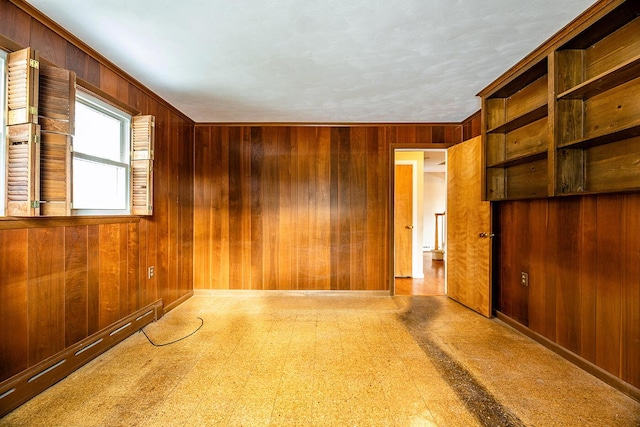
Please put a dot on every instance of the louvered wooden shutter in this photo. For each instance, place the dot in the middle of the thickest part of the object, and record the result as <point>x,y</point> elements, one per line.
<point>57,97</point>
<point>22,87</point>
<point>23,181</point>
<point>55,174</point>
<point>142,141</point>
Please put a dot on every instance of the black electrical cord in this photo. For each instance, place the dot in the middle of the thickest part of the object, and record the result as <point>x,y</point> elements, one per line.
<point>175,341</point>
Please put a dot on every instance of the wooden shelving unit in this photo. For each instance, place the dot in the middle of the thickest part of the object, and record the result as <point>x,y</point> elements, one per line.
<point>566,120</point>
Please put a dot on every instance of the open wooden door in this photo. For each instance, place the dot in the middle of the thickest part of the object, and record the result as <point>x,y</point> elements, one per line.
<point>468,229</point>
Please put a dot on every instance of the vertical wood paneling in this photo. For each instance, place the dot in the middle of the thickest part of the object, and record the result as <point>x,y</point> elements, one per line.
<point>109,82</point>
<point>513,260</point>
<point>51,46</point>
<point>287,201</point>
<point>257,156</point>
<point>232,159</point>
<point>76,284</point>
<point>85,67</point>
<point>344,213</point>
<point>93,269</point>
<point>15,23</point>
<point>46,293</point>
<point>303,138</point>
<point>587,276</point>
<point>565,276</point>
<point>14,337</point>
<point>123,269</point>
<point>608,278</point>
<point>377,157</point>
<point>109,274</point>
<point>471,127</point>
<point>172,207</point>
<point>588,297</point>
<point>295,207</point>
<point>270,193</point>
<point>358,215</point>
<point>630,370</point>
<point>538,255</point>
<point>185,221</point>
<point>320,210</point>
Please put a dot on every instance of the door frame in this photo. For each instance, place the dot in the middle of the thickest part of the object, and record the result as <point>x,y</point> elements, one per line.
<point>391,173</point>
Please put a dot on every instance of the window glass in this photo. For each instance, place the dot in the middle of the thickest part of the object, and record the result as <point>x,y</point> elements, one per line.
<point>100,144</point>
<point>100,158</point>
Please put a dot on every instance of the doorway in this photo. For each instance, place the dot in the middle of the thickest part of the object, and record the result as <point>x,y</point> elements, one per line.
<point>419,202</point>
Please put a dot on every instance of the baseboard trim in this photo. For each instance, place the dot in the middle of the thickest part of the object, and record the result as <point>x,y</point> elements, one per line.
<point>584,364</point>
<point>20,388</point>
<point>292,292</point>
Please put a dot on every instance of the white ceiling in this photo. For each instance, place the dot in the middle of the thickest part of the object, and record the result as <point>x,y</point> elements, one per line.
<point>315,61</point>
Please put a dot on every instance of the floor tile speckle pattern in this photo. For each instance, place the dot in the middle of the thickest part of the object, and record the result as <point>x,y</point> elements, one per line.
<point>323,360</point>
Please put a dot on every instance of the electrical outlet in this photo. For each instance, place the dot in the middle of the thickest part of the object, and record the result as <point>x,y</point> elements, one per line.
<point>151,272</point>
<point>524,278</point>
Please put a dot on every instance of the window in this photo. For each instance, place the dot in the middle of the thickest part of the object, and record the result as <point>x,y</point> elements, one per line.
<point>70,152</point>
<point>100,157</point>
<point>3,56</point>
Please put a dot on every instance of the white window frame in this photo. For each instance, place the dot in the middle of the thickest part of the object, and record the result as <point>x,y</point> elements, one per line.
<point>125,149</point>
<point>3,124</point>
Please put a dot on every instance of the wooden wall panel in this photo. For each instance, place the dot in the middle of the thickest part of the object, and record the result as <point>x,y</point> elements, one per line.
<point>14,23</point>
<point>630,337</point>
<point>85,67</point>
<point>14,333</point>
<point>472,126</point>
<point>50,45</point>
<point>296,207</point>
<point>109,274</point>
<point>587,276</point>
<point>62,281</point>
<point>583,255</point>
<point>45,295</point>
<point>76,283</point>
<point>608,282</point>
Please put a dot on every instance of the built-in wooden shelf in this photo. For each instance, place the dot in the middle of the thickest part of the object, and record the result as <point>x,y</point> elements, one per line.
<point>621,74</point>
<point>594,141</point>
<point>576,128</point>
<point>522,120</point>
<point>519,160</point>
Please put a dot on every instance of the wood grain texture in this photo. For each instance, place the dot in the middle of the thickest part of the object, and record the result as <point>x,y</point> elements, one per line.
<point>472,126</point>
<point>76,281</point>
<point>582,256</point>
<point>296,207</point>
<point>468,216</point>
<point>15,23</point>
<point>403,220</point>
<point>46,293</point>
<point>14,333</point>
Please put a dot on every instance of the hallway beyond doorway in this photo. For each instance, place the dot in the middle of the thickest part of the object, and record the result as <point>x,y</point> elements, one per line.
<point>432,284</point>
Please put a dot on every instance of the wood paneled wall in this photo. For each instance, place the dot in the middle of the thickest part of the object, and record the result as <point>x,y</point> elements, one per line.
<point>583,259</point>
<point>472,126</point>
<point>63,279</point>
<point>297,207</point>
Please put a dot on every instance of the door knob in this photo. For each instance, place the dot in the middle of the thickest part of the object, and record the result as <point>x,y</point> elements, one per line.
<point>409,227</point>
<point>484,235</point>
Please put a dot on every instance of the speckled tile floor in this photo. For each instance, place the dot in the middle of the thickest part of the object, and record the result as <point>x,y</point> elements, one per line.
<point>306,359</point>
